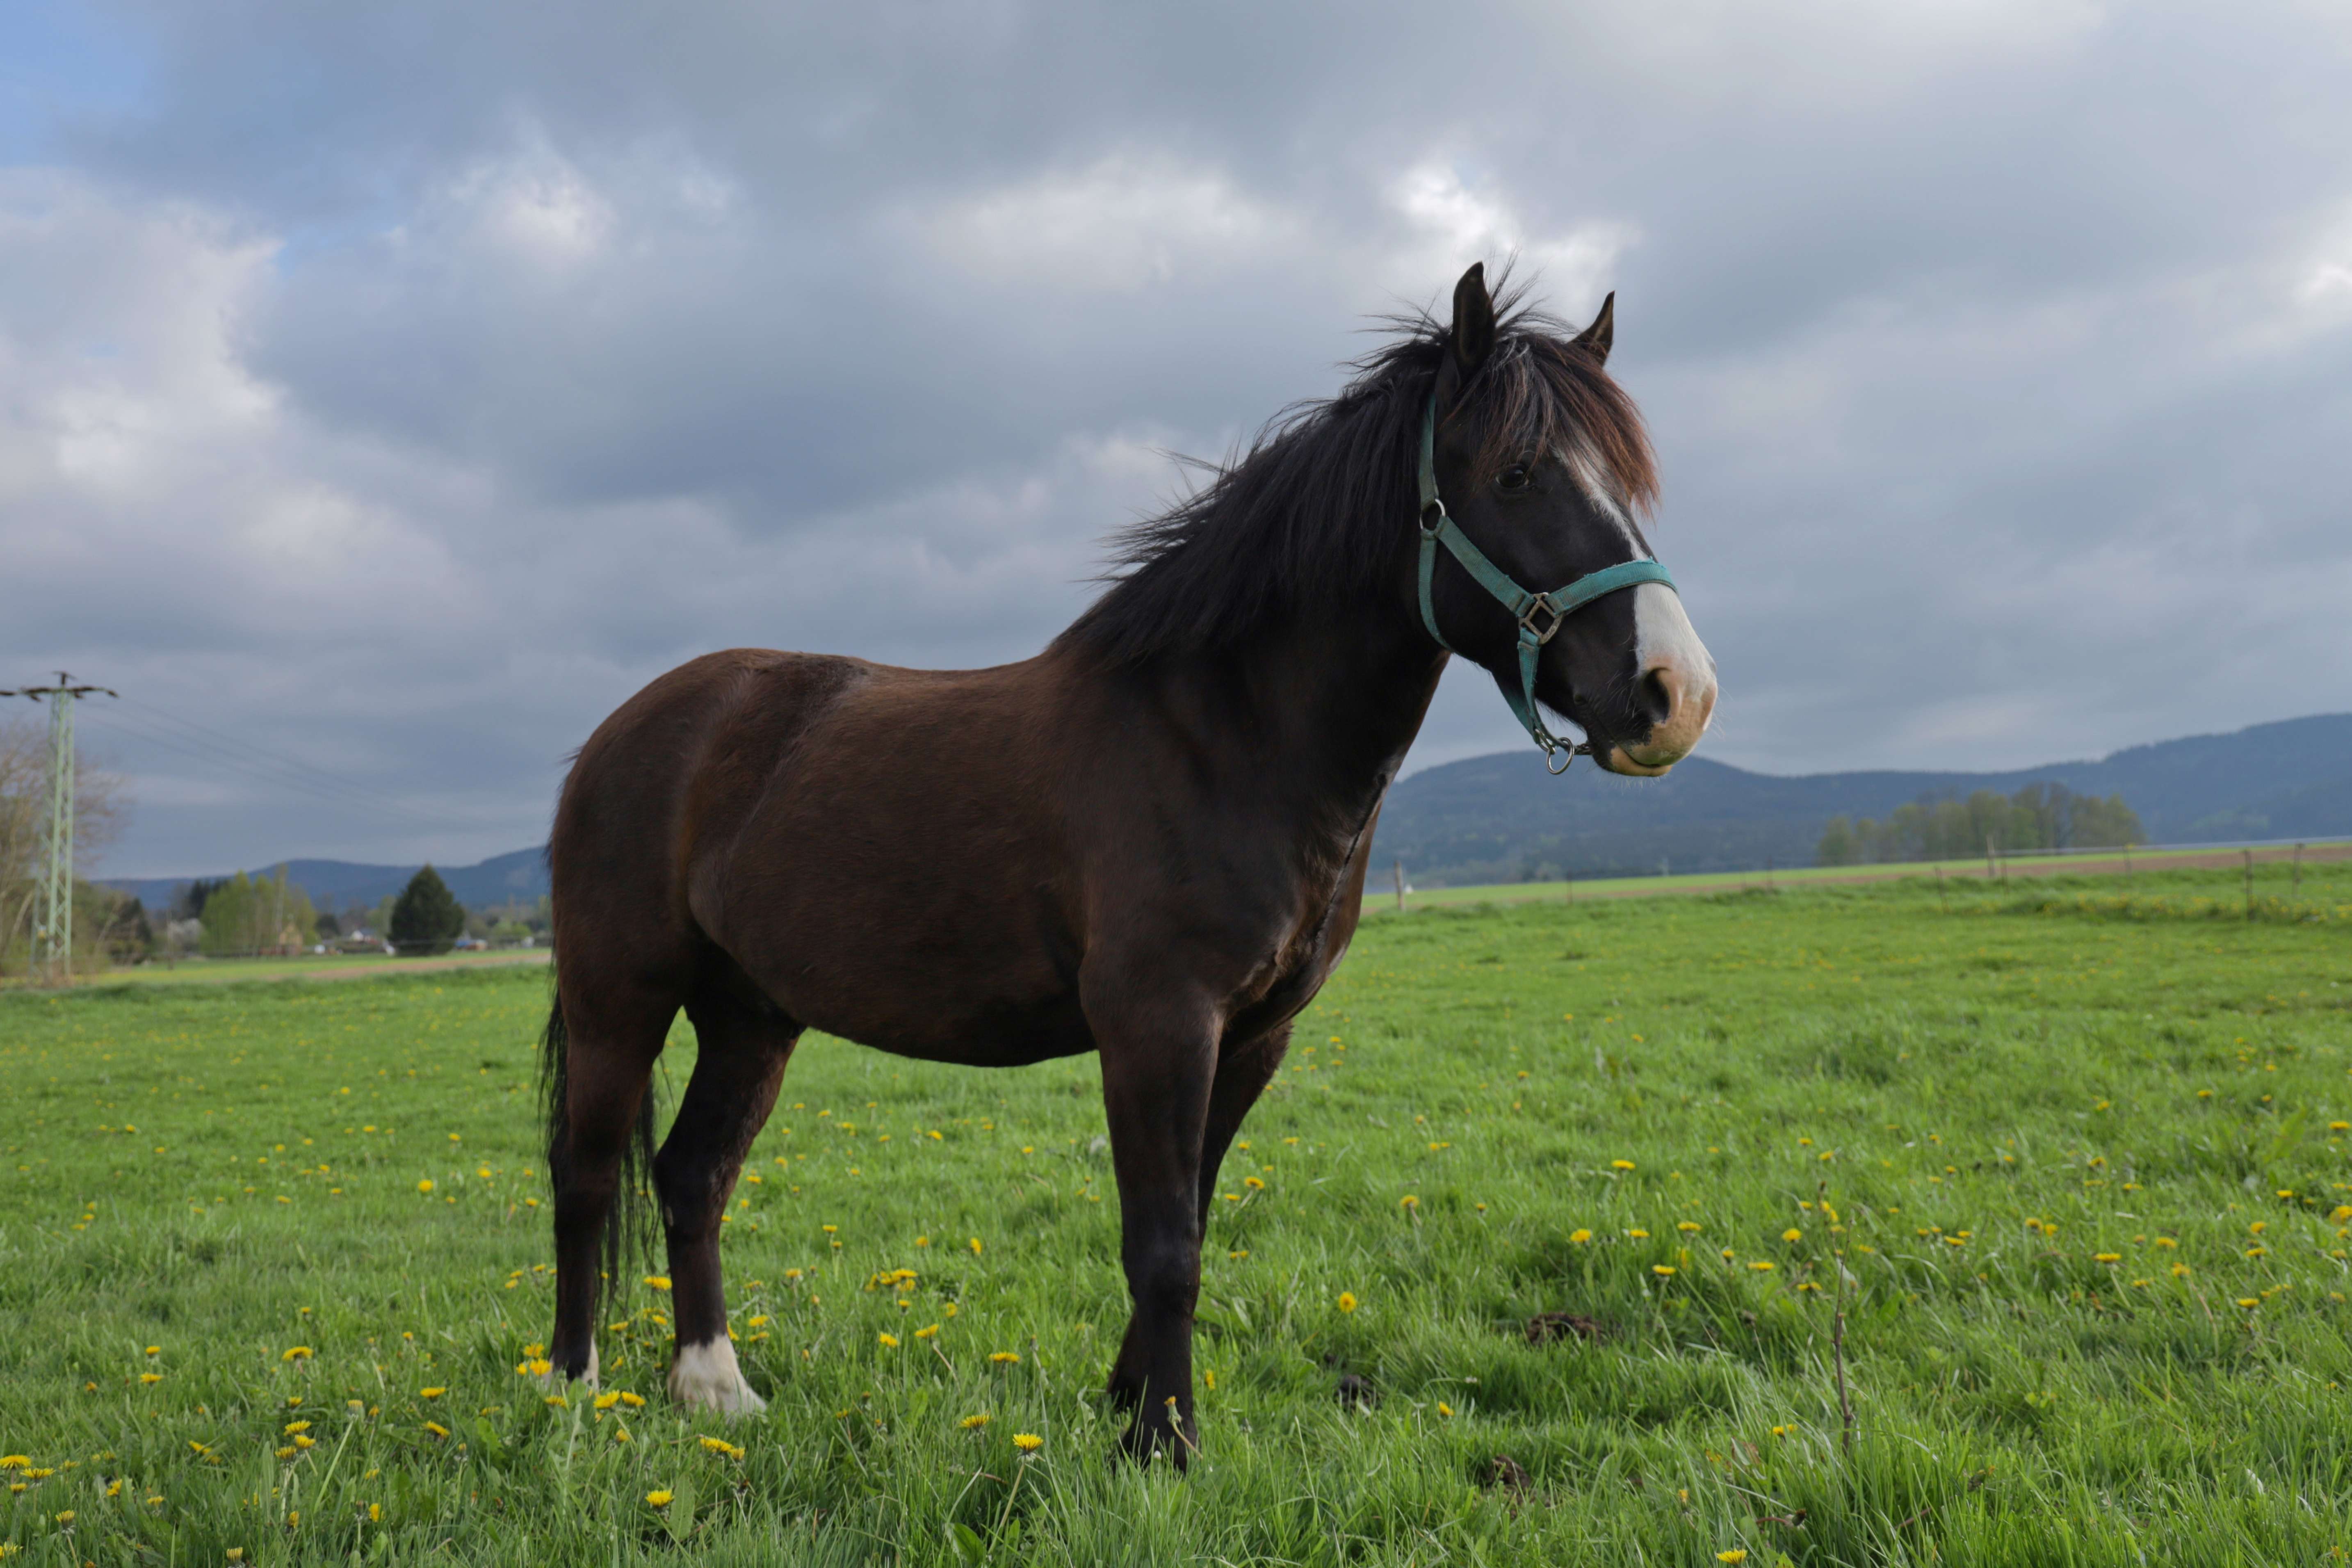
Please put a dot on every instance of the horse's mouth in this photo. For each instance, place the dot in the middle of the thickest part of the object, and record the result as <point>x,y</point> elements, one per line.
<point>1618,760</point>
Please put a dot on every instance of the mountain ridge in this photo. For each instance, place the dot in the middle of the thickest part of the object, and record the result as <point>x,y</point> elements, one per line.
<point>1500,817</point>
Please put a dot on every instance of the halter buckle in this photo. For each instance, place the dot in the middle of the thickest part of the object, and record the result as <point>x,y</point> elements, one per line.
<point>1541,604</point>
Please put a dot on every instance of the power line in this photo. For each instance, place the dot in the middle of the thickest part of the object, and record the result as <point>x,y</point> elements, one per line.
<point>239,742</point>
<point>276,770</point>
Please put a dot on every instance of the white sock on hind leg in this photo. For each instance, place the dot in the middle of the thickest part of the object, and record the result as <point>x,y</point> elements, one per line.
<point>705,1376</point>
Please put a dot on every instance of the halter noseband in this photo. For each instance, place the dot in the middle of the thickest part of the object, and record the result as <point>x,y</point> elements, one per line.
<point>1527,608</point>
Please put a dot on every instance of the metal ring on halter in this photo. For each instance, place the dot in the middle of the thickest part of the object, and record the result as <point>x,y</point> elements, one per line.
<point>1528,618</point>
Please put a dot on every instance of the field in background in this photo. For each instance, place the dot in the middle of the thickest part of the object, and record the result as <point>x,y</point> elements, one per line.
<point>273,1258</point>
<point>2273,875</point>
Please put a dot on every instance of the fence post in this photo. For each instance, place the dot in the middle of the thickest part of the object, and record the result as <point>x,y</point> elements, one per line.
<point>2250,882</point>
<point>2298,870</point>
<point>1989,873</point>
<point>1400,885</point>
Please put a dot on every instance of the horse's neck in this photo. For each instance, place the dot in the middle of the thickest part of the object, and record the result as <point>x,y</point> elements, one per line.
<point>1333,703</point>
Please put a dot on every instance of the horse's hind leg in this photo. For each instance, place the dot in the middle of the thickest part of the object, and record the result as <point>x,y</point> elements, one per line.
<point>607,1042</point>
<point>743,1045</point>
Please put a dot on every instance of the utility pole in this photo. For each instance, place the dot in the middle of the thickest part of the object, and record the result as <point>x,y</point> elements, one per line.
<point>53,937</point>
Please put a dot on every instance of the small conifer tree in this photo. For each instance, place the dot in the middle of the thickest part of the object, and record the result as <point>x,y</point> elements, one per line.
<point>426,917</point>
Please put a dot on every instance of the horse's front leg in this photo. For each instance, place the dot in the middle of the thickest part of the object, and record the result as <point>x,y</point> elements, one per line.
<point>1158,1059</point>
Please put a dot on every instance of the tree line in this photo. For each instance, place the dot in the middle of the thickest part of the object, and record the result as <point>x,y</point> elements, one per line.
<point>1941,827</point>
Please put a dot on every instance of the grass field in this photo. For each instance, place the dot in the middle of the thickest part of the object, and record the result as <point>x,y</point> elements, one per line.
<point>271,1255</point>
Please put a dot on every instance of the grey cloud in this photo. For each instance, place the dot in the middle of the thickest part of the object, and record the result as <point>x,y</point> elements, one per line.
<point>469,365</point>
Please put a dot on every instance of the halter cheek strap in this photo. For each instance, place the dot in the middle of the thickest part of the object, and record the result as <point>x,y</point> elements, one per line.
<point>1540,616</point>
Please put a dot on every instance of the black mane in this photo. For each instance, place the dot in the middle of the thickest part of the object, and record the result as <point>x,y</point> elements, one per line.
<point>1322,505</point>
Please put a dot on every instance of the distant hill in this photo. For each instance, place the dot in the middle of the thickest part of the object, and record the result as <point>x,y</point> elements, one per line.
<point>1502,818</point>
<point>336,885</point>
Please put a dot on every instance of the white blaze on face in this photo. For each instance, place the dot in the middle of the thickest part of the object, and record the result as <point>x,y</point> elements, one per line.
<point>1664,642</point>
<point>705,1377</point>
<point>1663,638</point>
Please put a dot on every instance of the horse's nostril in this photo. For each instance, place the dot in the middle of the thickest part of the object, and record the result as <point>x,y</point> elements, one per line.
<point>1658,692</point>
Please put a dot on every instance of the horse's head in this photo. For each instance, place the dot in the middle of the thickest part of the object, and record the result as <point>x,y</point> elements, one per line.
<point>1542,463</point>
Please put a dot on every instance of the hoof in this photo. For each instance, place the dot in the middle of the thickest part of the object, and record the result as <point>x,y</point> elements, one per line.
<point>705,1377</point>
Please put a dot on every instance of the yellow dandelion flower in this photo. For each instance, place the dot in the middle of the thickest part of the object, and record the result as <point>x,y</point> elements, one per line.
<point>1346,1301</point>
<point>151,1377</point>
<point>298,1353</point>
<point>2106,1258</point>
<point>154,1350</point>
<point>1737,1554</point>
<point>431,1393</point>
<point>376,1513</point>
<point>606,1401</point>
<point>634,1400</point>
<point>436,1428</point>
<point>1409,1202</point>
<point>1638,1233</point>
<point>2248,1301</point>
<point>1003,1358</point>
<point>1579,1237</point>
<point>926,1333</point>
<point>759,1322</point>
<point>973,1422</point>
<point>1761,1265</point>
<point>2179,1271</point>
<point>1254,1184</point>
<point>890,1341</point>
<point>1792,1233</point>
<point>721,1446</point>
<point>426,1185</point>
<point>1445,1409</point>
<point>1027,1442</point>
<point>660,1499</point>
<point>975,1246</point>
<point>1689,1225</point>
<point>294,1427</point>
<point>1663,1270</point>
<point>658,1281</point>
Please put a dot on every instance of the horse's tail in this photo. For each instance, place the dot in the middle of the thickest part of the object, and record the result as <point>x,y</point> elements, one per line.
<point>629,1222</point>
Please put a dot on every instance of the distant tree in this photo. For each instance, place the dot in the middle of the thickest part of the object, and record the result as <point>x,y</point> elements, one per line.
<point>127,936</point>
<point>329,927</point>
<point>245,916</point>
<point>2109,823</point>
<point>2039,816</point>
<point>426,917</point>
<point>193,896</point>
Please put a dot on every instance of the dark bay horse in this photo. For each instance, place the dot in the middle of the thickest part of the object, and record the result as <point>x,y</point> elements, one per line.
<point>1148,842</point>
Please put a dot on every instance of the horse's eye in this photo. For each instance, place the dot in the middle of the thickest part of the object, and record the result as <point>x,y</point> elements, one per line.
<point>1513,479</point>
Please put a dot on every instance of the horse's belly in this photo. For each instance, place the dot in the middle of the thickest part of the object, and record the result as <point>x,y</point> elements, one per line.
<point>929,972</point>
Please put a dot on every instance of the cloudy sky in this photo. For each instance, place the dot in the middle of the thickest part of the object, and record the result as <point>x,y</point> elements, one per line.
<point>386,392</point>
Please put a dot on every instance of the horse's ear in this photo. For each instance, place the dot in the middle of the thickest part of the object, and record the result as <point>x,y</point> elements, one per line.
<point>1474,321</point>
<point>1595,339</point>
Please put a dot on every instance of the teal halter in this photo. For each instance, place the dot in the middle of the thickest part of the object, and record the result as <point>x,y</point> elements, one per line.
<point>1438,528</point>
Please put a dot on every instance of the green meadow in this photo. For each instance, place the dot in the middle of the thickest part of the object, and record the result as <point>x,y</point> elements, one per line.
<point>1832,1224</point>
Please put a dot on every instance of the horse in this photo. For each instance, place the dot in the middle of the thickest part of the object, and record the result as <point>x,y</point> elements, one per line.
<point>1148,841</point>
